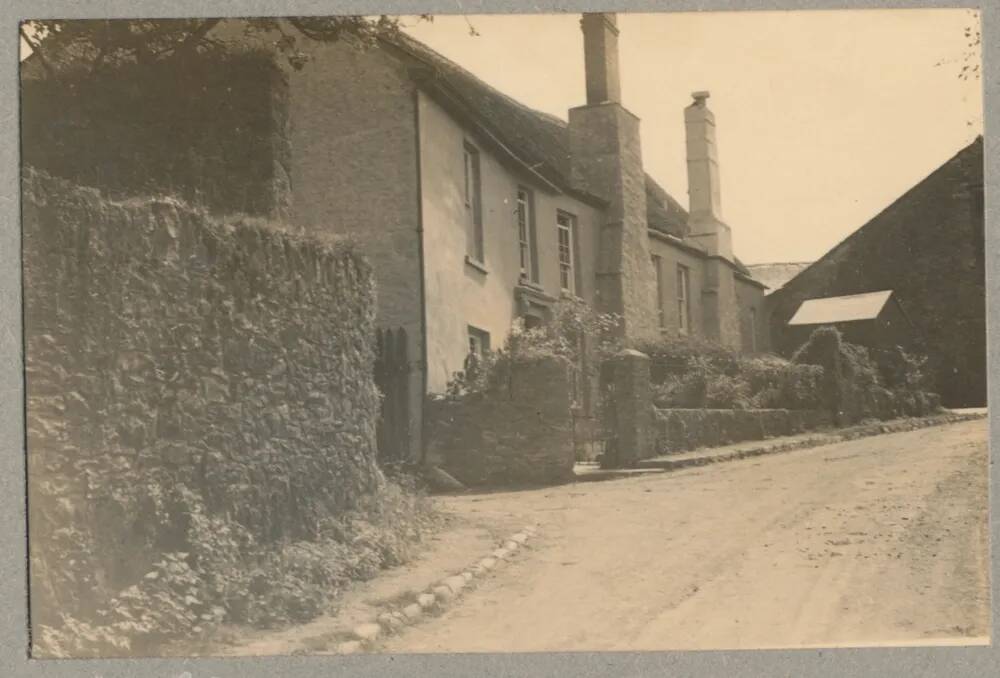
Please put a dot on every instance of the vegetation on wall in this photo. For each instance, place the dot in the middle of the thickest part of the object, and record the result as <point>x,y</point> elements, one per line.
<point>573,330</point>
<point>858,383</point>
<point>694,373</point>
<point>200,424</point>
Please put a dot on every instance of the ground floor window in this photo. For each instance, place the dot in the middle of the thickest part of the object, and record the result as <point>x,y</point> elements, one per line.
<point>479,346</point>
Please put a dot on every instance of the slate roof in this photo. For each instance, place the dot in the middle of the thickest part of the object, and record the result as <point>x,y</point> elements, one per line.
<point>540,140</point>
<point>850,308</point>
<point>776,274</point>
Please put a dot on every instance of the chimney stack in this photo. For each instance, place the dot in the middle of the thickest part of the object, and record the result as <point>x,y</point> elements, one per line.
<point>600,52</point>
<point>705,204</point>
<point>606,161</point>
<point>719,304</point>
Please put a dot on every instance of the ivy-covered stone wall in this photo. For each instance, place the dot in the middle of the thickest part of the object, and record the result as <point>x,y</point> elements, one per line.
<point>189,382</point>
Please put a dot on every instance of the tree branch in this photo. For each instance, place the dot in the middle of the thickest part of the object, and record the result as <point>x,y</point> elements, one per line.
<point>35,49</point>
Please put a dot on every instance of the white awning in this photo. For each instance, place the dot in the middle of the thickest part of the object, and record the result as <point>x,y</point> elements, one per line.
<point>829,310</point>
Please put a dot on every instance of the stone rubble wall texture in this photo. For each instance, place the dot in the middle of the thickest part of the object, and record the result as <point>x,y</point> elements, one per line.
<point>165,346</point>
<point>606,156</point>
<point>627,408</point>
<point>523,434</point>
<point>679,430</point>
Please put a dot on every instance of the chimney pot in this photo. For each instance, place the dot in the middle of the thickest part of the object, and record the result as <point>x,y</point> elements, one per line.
<point>700,96</point>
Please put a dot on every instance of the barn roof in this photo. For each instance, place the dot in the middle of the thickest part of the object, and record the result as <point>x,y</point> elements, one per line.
<point>829,310</point>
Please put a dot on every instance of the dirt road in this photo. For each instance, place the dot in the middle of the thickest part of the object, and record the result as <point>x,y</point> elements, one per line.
<point>881,540</point>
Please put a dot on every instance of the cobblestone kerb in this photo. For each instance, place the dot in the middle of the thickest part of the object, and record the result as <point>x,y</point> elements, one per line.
<point>433,600</point>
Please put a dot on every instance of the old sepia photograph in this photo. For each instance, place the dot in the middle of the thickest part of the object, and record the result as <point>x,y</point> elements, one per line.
<point>504,333</point>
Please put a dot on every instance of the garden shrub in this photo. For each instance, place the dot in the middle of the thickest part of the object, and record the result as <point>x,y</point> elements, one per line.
<point>694,373</point>
<point>855,386</point>
<point>574,331</point>
<point>226,576</point>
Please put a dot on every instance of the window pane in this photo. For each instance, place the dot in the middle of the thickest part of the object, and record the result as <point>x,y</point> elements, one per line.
<point>473,203</point>
<point>564,230</point>
<point>523,234</point>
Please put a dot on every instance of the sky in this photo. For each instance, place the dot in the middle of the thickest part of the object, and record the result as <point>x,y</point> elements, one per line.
<point>823,117</point>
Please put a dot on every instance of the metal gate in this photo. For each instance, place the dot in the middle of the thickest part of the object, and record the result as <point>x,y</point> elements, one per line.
<point>392,377</point>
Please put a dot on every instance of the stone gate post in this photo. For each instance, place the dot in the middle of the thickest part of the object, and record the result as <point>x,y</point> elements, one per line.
<point>628,410</point>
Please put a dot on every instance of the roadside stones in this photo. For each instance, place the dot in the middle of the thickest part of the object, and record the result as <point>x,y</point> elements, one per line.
<point>367,632</point>
<point>391,622</point>
<point>443,594</point>
<point>437,598</point>
<point>456,583</point>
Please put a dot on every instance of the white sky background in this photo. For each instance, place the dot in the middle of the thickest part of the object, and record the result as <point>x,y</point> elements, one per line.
<point>823,117</point>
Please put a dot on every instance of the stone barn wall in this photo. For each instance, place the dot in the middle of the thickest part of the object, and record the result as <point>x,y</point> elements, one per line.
<point>180,368</point>
<point>928,247</point>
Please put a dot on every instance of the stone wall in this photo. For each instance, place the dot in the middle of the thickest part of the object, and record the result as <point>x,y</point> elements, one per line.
<point>166,353</point>
<point>522,433</point>
<point>680,429</point>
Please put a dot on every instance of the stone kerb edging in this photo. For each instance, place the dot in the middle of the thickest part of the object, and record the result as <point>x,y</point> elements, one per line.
<point>435,598</point>
<point>817,440</point>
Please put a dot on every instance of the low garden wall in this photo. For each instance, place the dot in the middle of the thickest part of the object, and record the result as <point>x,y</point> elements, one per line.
<point>677,430</point>
<point>519,433</point>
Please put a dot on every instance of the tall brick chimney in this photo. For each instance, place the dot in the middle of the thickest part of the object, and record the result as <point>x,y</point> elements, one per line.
<point>720,310</point>
<point>600,53</point>
<point>704,204</point>
<point>606,161</point>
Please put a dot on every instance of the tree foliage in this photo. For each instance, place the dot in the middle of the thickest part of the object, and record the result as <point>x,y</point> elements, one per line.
<point>97,44</point>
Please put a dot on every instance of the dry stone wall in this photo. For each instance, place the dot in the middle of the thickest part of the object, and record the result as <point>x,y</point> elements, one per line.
<point>678,430</point>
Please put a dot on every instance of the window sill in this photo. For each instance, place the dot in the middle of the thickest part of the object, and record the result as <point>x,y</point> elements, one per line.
<point>478,265</point>
<point>572,296</point>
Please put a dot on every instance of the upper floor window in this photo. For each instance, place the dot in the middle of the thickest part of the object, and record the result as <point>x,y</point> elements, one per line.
<point>526,234</point>
<point>683,299</point>
<point>658,278</point>
<point>566,231</point>
<point>473,205</point>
